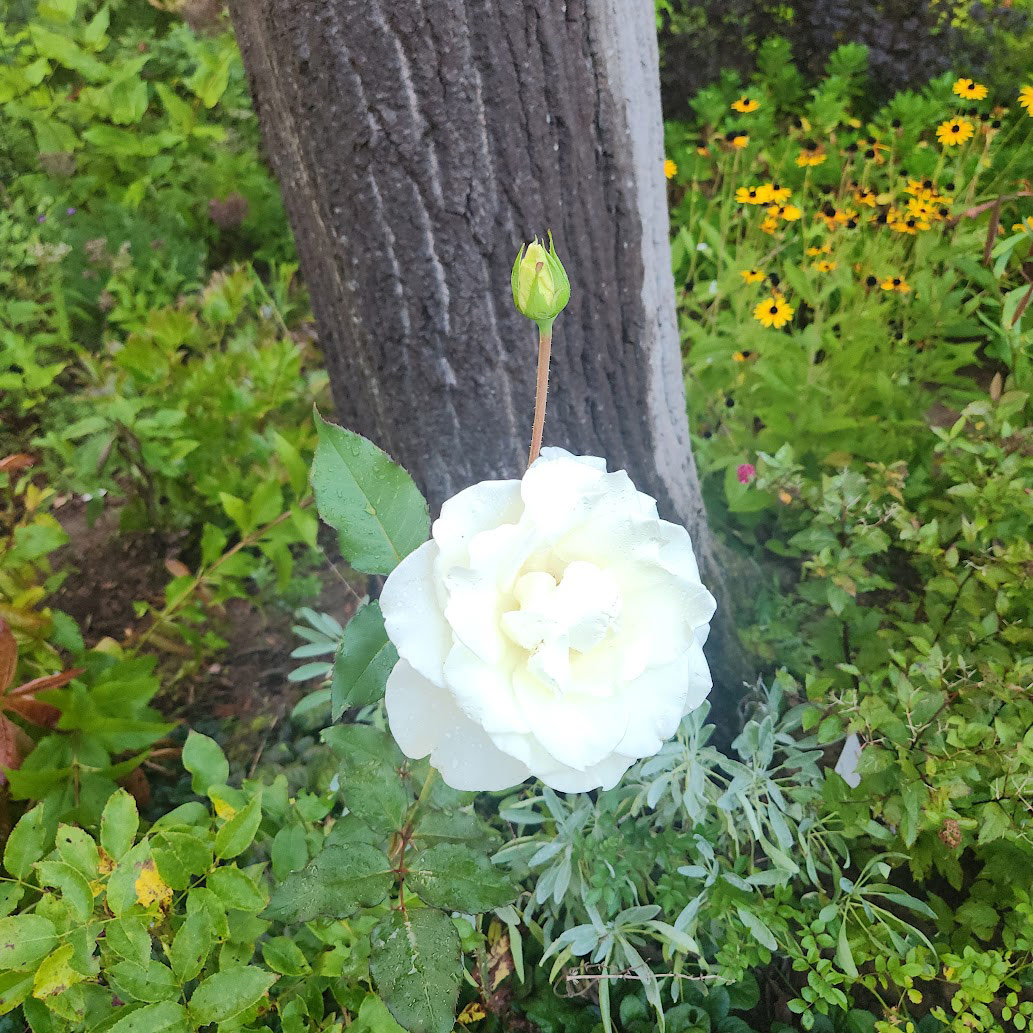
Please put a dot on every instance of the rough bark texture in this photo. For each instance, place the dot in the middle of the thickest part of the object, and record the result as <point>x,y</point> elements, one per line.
<point>417,144</point>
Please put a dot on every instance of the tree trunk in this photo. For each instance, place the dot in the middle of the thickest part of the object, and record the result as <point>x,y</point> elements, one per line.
<point>417,145</point>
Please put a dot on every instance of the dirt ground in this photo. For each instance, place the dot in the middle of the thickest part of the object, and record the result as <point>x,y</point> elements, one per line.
<point>243,689</point>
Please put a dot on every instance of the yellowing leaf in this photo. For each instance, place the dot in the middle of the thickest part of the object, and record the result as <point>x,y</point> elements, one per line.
<point>473,1012</point>
<point>223,809</point>
<point>151,888</point>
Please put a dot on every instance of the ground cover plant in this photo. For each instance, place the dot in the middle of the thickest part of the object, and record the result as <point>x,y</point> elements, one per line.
<point>854,288</point>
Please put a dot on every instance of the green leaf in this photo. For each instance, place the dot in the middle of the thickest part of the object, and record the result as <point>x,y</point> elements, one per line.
<point>27,842</point>
<point>25,939</point>
<point>239,832</point>
<point>119,824</point>
<point>180,855</point>
<point>370,784</point>
<point>164,1017</point>
<point>129,939</point>
<point>761,933</point>
<point>369,500</point>
<point>191,946</point>
<point>78,849</point>
<point>994,824</point>
<point>334,884</point>
<point>415,963</point>
<point>121,893</point>
<point>289,851</point>
<point>453,877</point>
<point>149,982</point>
<point>844,956</point>
<point>283,955</point>
<point>236,889</point>
<point>364,659</point>
<point>75,890</point>
<point>207,764</point>
<point>14,988</point>
<point>228,993</point>
<point>55,973</point>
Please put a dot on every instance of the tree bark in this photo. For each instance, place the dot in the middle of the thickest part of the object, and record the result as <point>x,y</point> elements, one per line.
<point>418,143</point>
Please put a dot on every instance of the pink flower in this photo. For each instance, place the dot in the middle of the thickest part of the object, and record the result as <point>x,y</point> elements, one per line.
<point>746,472</point>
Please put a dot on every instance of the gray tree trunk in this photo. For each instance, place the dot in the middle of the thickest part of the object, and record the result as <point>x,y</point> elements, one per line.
<point>417,143</point>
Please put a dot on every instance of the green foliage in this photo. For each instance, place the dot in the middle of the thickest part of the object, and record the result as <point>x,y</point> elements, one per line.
<point>372,503</point>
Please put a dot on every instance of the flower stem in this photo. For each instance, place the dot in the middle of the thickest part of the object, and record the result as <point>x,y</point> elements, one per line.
<point>542,390</point>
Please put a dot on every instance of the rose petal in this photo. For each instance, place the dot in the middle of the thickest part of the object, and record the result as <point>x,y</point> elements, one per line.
<point>413,616</point>
<point>578,731</point>
<point>483,692</point>
<point>655,703</point>
<point>473,510</point>
<point>604,775</point>
<point>425,719</point>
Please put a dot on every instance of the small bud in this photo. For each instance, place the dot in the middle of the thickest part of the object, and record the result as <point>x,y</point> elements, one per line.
<point>541,289</point>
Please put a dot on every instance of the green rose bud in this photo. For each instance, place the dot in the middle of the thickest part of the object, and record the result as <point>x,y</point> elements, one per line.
<point>541,289</point>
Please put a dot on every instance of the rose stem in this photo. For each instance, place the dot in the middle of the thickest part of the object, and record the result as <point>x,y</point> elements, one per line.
<point>542,390</point>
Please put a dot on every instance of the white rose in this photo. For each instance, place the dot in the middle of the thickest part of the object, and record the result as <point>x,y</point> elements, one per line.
<point>552,626</point>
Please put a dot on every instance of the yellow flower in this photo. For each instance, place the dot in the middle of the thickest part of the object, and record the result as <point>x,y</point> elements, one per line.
<point>969,90</point>
<point>751,275</point>
<point>865,195</point>
<point>703,152</point>
<point>670,168</point>
<point>788,212</point>
<point>745,104</point>
<point>739,141</point>
<point>811,156</point>
<point>753,195</point>
<point>823,250</point>
<point>784,497</point>
<point>773,311</point>
<point>825,266</point>
<point>769,225</point>
<point>954,131</point>
<point>738,357</point>
<point>1026,225</point>
<point>895,283</point>
<point>1026,99</point>
<point>779,193</point>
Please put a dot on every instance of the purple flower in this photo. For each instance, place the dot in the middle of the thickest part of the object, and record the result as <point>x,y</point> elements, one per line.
<point>41,218</point>
<point>70,211</point>
<point>746,472</point>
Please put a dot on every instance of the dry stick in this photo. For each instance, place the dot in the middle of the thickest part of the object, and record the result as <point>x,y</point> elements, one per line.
<point>541,391</point>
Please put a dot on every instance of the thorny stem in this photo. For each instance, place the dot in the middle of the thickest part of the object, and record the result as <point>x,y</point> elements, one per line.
<point>541,391</point>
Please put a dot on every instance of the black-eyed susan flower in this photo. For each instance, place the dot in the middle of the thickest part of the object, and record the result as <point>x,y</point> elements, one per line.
<point>825,249</point>
<point>785,212</point>
<point>954,131</point>
<point>780,193</point>
<point>1026,225</point>
<point>703,151</point>
<point>1026,99</point>
<point>811,155</point>
<point>740,141</point>
<point>769,225</point>
<point>825,265</point>
<point>744,105</point>
<point>670,168</point>
<point>753,195</point>
<point>969,90</point>
<point>774,311</point>
<point>924,210</point>
<point>751,275</point>
<point>739,356</point>
<point>865,196</point>
<point>895,283</point>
